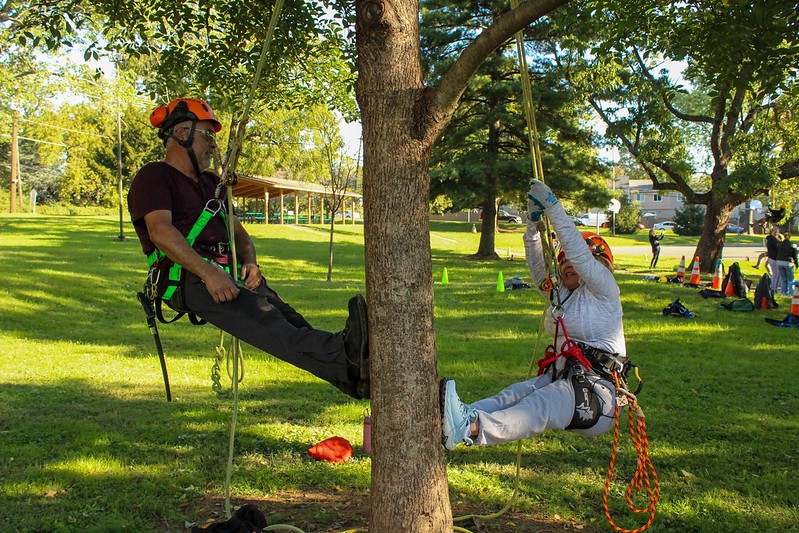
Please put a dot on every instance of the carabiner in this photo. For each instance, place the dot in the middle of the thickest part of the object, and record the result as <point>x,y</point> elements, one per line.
<point>219,206</point>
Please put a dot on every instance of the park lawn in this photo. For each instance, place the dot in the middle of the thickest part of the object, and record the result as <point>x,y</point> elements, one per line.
<point>88,443</point>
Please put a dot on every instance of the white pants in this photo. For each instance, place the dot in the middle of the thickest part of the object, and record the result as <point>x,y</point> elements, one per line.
<point>528,408</point>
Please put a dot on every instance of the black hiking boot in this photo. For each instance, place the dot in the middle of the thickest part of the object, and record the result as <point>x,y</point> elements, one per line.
<point>356,345</point>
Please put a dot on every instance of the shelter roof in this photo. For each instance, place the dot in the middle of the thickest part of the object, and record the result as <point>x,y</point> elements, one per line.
<point>254,186</point>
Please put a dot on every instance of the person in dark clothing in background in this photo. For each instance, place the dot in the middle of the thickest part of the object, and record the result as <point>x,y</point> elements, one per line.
<point>654,241</point>
<point>785,263</point>
<point>771,241</point>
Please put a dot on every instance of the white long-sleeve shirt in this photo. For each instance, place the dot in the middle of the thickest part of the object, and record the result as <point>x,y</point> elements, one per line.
<point>592,313</point>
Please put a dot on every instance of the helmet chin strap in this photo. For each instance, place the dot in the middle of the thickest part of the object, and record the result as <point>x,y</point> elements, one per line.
<point>187,145</point>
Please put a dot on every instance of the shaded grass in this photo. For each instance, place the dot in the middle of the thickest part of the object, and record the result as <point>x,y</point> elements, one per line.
<point>87,442</point>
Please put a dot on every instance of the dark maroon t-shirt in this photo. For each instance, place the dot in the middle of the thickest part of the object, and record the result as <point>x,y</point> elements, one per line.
<point>159,186</point>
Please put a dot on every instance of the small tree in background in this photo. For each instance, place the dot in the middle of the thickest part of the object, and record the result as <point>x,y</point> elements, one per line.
<point>689,220</point>
<point>629,215</point>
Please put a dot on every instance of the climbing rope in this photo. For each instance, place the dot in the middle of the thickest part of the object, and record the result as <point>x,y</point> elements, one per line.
<point>222,355</point>
<point>645,473</point>
<point>226,179</point>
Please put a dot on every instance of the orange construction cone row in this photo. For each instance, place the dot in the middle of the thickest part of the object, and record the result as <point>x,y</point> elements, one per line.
<point>795,300</point>
<point>681,270</point>
<point>696,277</point>
<point>718,277</point>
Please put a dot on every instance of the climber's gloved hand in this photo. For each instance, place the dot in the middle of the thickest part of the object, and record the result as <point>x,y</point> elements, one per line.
<point>539,197</point>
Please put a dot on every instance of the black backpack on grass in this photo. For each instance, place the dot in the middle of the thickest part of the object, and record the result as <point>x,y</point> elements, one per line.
<point>738,280</point>
<point>764,296</point>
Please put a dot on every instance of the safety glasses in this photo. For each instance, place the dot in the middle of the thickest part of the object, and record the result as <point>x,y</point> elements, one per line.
<point>210,135</point>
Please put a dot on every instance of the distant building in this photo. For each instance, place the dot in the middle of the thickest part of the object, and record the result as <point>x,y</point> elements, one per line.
<point>656,205</point>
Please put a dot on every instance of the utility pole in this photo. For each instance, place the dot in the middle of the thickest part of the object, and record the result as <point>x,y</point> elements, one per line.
<point>14,165</point>
<point>121,236</point>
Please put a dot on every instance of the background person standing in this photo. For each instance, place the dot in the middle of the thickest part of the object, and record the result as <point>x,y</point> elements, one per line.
<point>786,262</point>
<point>654,242</point>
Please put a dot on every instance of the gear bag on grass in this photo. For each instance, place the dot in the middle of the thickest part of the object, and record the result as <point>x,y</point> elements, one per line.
<point>248,519</point>
<point>676,309</point>
<point>738,280</point>
<point>763,292</point>
<point>740,304</point>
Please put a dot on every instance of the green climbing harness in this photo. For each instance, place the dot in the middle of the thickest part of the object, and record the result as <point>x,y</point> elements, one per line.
<point>212,208</point>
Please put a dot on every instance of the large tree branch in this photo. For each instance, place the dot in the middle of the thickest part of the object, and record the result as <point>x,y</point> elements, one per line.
<point>678,182</point>
<point>438,104</point>
<point>666,100</point>
<point>715,130</point>
<point>754,112</point>
<point>734,113</point>
<point>790,170</point>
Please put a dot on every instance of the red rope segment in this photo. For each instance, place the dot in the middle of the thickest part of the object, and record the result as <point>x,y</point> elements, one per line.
<point>568,349</point>
<point>645,467</point>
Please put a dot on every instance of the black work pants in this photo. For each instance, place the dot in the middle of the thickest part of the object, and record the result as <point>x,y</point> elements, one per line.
<point>260,318</point>
<point>655,256</point>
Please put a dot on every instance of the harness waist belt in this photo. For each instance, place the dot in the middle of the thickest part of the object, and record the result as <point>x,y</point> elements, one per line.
<point>603,361</point>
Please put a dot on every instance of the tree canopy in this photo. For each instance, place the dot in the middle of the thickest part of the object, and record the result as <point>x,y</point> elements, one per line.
<point>730,114</point>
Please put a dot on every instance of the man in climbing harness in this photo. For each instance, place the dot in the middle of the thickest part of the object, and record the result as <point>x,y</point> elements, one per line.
<point>574,389</point>
<point>178,210</point>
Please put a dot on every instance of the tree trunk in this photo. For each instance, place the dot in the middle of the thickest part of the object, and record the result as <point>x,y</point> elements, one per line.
<point>487,248</point>
<point>330,251</point>
<point>409,481</point>
<point>710,247</point>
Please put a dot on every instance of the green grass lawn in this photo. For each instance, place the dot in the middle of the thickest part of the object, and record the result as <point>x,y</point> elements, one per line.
<point>88,443</point>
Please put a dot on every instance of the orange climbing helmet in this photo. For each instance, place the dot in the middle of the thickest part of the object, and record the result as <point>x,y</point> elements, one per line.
<point>597,245</point>
<point>179,110</point>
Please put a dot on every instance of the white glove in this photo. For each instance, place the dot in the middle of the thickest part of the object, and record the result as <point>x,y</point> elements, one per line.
<point>539,197</point>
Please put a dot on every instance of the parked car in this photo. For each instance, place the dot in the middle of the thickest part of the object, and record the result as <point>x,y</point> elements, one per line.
<point>665,225</point>
<point>578,221</point>
<point>504,216</point>
<point>732,228</point>
<point>591,219</point>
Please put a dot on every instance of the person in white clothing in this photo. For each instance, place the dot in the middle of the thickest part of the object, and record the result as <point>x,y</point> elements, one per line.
<point>575,389</point>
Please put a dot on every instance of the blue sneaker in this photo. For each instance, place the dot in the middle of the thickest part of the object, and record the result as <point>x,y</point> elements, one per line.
<point>456,416</point>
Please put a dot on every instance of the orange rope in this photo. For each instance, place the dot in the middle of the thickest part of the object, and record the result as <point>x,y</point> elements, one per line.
<point>642,472</point>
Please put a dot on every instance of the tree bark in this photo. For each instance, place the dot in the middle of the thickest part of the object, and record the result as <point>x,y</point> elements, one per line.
<point>487,248</point>
<point>401,120</point>
<point>710,247</point>
<point>409,480</point>
<point>488,230</point>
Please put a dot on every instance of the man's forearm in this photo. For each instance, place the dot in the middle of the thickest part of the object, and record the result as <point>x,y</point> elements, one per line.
<point>170,241</point>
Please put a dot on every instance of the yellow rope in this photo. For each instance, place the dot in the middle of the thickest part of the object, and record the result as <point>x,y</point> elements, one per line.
<point>229,169</point>
<point>550,260</point>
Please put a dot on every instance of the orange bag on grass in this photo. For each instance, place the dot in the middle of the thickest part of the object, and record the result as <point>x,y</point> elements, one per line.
<point>334,450</point>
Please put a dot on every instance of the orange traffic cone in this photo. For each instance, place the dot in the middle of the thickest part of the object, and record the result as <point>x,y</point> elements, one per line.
<point>681,270</point>
<point>795,300</point>
<point>718,277</point>
<point>696,277</point>
<point>729,290</point>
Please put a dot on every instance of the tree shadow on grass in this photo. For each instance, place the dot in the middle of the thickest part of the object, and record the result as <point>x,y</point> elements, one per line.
<point>75,454</point>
